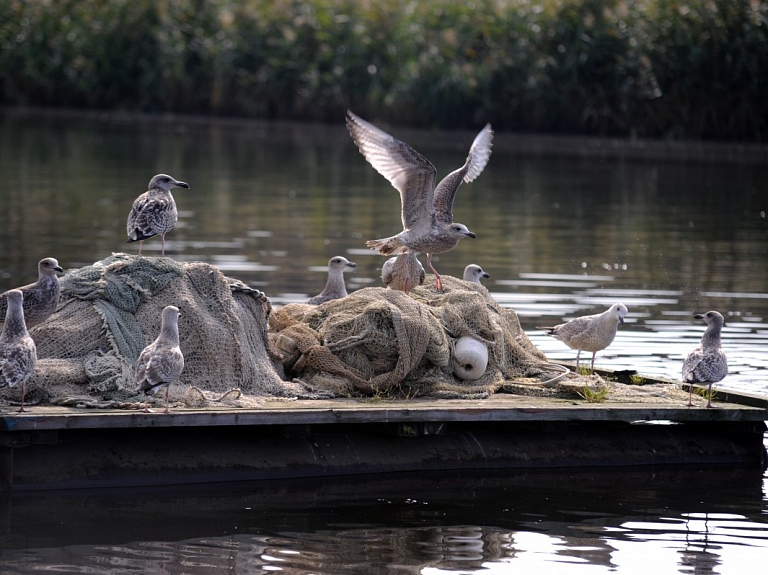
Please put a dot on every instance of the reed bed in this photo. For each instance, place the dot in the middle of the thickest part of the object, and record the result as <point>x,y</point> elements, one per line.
<point>648,68</point>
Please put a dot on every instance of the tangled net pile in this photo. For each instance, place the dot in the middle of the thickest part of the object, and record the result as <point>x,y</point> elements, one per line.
<point>109,311</point>
<point>380,341</point>
<point>373,342</point>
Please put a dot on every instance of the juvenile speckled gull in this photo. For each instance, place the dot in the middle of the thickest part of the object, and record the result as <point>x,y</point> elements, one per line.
<point>18,354</point>
<point>403,272</point>
<point>707,363</point>
<point>590,332</point>
<point>334,287</point>
<point>154,212</point>
<point>426,210</point>
<point>473,273</point>
<point>161,362</point>
<point>40,298</point>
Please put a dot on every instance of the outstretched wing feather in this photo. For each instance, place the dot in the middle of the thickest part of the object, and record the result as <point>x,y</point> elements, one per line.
<point>407,170</point>
<point>478,157</point>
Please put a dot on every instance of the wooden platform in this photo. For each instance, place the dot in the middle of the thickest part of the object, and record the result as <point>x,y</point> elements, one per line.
<point>56,447</point>
<point>500,408</point>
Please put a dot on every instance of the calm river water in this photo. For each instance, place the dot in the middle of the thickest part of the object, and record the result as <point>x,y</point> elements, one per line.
<point>565,227</point>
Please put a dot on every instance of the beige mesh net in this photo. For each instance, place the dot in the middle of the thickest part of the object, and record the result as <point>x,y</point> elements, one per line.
<point>238,350</point>
<point>109,311</point>
<point>380,341</point>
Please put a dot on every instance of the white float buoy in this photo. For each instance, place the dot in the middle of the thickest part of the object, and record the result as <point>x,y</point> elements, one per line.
<point>470,358</point>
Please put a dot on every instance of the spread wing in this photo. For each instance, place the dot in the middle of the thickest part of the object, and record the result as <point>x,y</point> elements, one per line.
<point>477,159</point>
<point>407,170</point>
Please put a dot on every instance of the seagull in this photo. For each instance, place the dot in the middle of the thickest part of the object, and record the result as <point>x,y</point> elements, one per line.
<point>334,287</point>
<point>473,273</point>
<point>707,363</point>
<point>40,298</point>
<point>426,210</point>
<point>161,362</point>
<point>590,332</point>
<point>18,354</point>
<point>402,272</point>
<point>154,212</point>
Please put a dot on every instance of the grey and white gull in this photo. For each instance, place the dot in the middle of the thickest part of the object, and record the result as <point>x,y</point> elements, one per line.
<point>18,354</point>
<point>161,362</point>
<point>40,298</point>
<point>334,286</point>
<point>590,332</point>
<point>426,209</point>
<point>154,212</point>
<point>403,272</point>
<point>473,273</point>
<point>707,363</point>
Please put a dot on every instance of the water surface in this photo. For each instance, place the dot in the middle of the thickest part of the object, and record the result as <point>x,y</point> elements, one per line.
<point>562,234</point>
<point>627,521</point>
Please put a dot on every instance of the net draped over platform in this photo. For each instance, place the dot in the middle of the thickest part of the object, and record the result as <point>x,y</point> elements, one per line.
<point>374,342</point>
<point>110,310</point>
<point>378,340</point>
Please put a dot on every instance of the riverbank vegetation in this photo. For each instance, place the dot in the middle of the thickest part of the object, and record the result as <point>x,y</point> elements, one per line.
<point>649,68</point>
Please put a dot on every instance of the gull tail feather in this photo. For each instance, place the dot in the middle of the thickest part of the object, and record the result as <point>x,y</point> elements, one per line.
<point>151,389</point>
<point>387,246</point>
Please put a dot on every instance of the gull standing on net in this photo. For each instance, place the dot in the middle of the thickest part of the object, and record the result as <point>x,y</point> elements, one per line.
<point>707,363</point>
<point>426,210</point>
<point>590,332</point>
<point>334,287</point>
<point>40,298</point>
<point>154,212</point>
<point>18,354</point>
<point>161,362</point>
<point>473,273</point>
<point>403,272</point>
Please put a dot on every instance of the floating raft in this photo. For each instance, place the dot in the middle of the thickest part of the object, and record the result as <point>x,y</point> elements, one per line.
<point>66,448</point>
<point>53,447</point>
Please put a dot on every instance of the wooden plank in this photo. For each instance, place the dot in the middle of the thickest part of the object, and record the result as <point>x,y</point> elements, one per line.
<point>311,412</point>
<point>160,456</point>
<point>732,396</point>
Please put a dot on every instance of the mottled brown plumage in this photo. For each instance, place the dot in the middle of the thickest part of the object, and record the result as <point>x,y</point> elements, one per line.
<point>18,354</point>
<point>40,298</point>
<point>707,363</point>
<point>590,332</point>
<point>161,362</point>
<point>154,212</point>
<point>426,210</point>
<point>403,272</point>
<point>334,286</point>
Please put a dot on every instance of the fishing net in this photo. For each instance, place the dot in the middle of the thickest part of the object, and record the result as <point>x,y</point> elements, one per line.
<point>110,310</point>
<point>381,341</point>
<point>238,350</point>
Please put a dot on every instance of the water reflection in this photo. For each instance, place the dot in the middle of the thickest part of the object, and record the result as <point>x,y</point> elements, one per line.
<point>633,520</point>
<point>561,235</point>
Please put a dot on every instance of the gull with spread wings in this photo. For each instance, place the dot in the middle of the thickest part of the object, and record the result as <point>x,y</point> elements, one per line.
<point>427,210</point>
